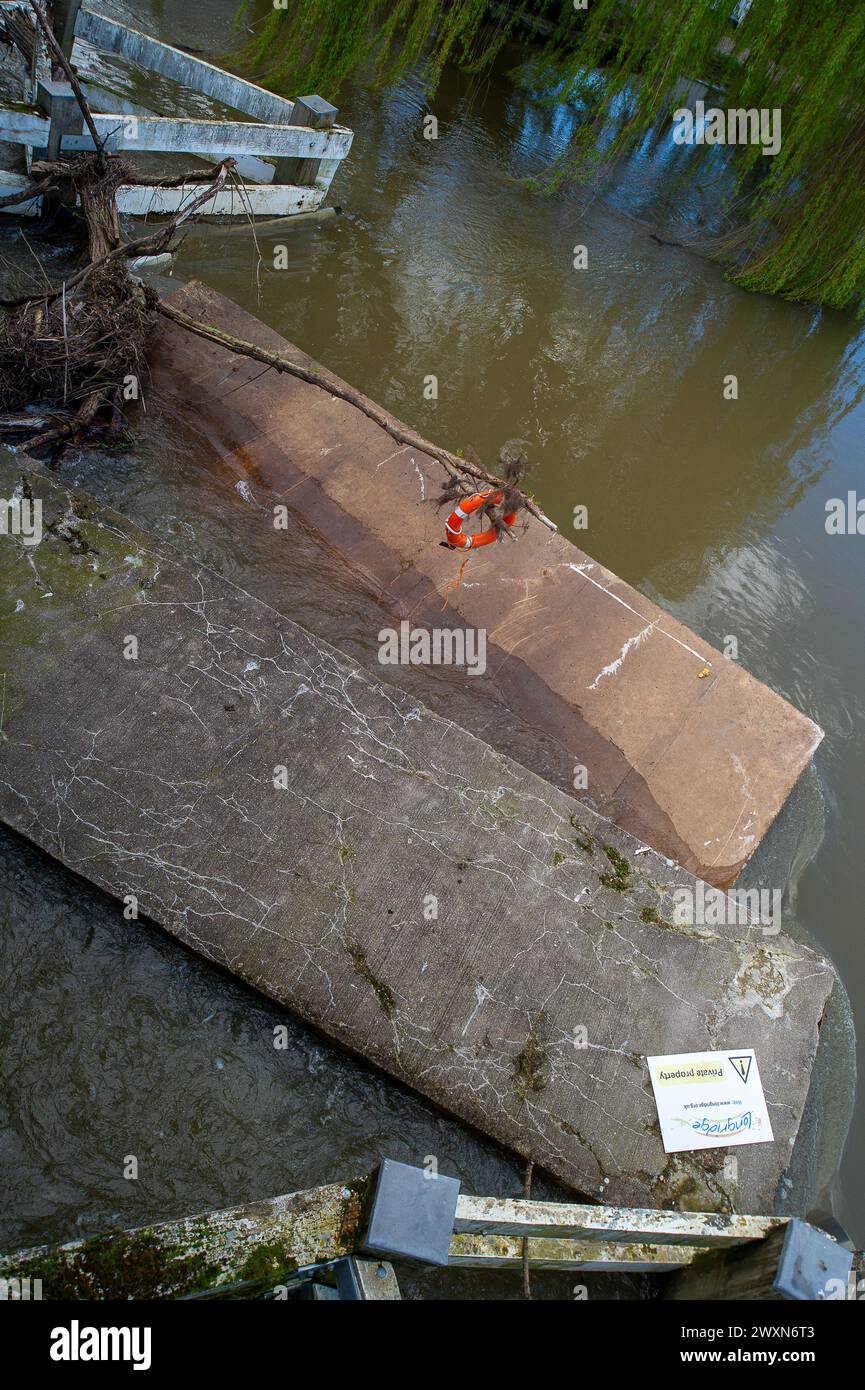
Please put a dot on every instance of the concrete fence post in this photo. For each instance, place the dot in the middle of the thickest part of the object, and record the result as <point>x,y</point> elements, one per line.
<point>318,114</point>
<point>795,1261</point>
<point>65,13</point>
<point>57,101</point>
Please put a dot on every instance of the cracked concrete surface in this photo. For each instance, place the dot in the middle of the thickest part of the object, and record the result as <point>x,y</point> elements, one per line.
<point>159,777</point>
<point>684,748</point>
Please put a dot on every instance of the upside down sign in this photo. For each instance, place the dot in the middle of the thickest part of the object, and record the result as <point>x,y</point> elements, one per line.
<point>710,1100</point>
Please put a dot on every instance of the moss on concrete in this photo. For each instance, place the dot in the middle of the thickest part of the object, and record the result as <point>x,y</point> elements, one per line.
<point>127,1265</point>
<point>383,993</point>
<point>528,1067</point>
<point>619,879</point>
<point>583,836</point>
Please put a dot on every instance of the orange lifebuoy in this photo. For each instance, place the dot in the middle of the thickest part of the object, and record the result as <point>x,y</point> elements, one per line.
<point>454,536</point>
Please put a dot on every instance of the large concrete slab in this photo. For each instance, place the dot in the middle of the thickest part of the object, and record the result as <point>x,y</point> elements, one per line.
<point>696,765</point>
<point>411,892</point>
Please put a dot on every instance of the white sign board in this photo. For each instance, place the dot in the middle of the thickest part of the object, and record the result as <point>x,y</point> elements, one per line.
<point>710,1100</point>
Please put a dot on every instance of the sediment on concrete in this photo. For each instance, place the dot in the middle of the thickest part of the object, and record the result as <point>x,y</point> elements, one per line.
<point>395,882</point>
<point>683,748</point>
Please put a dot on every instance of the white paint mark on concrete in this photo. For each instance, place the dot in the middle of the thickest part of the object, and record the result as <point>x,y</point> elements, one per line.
<point>631,644</point>
<point>583,568</point>
<point>481,994</point>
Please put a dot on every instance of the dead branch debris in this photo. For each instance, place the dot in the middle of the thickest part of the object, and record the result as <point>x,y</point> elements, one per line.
<point>64,351</point>
<point>33,190</point>
<point>73,346</point>
<point>163,239</point>
<point>464,474</point>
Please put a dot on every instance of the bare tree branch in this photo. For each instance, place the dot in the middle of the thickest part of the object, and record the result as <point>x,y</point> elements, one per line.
<point>68,428</point>
<point>457,467</point>
<point>142,246</point>
<point>191,176</point>
<point>34,190</point>
<point>60,57</point>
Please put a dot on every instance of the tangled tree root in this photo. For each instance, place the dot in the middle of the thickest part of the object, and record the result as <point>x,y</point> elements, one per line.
<point>73,347</point>
<point>75,354</point>
<point>62,352</point>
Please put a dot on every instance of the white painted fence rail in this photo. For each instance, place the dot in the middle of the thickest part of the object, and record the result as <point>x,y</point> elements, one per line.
<point>275,128</point>
<point>183,135</point>
<point>489,1234</point>
<point>502,1216</point>
<point>139,200</point>
<point>154,56</point>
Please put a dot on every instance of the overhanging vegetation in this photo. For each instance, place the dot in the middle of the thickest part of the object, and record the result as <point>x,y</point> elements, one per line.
<point>798,214</point>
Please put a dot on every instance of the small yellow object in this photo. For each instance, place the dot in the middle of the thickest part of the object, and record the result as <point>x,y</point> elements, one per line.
<point>706,671</point>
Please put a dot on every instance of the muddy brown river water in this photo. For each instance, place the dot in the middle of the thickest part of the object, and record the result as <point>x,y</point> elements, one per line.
<point>114,1040</point>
